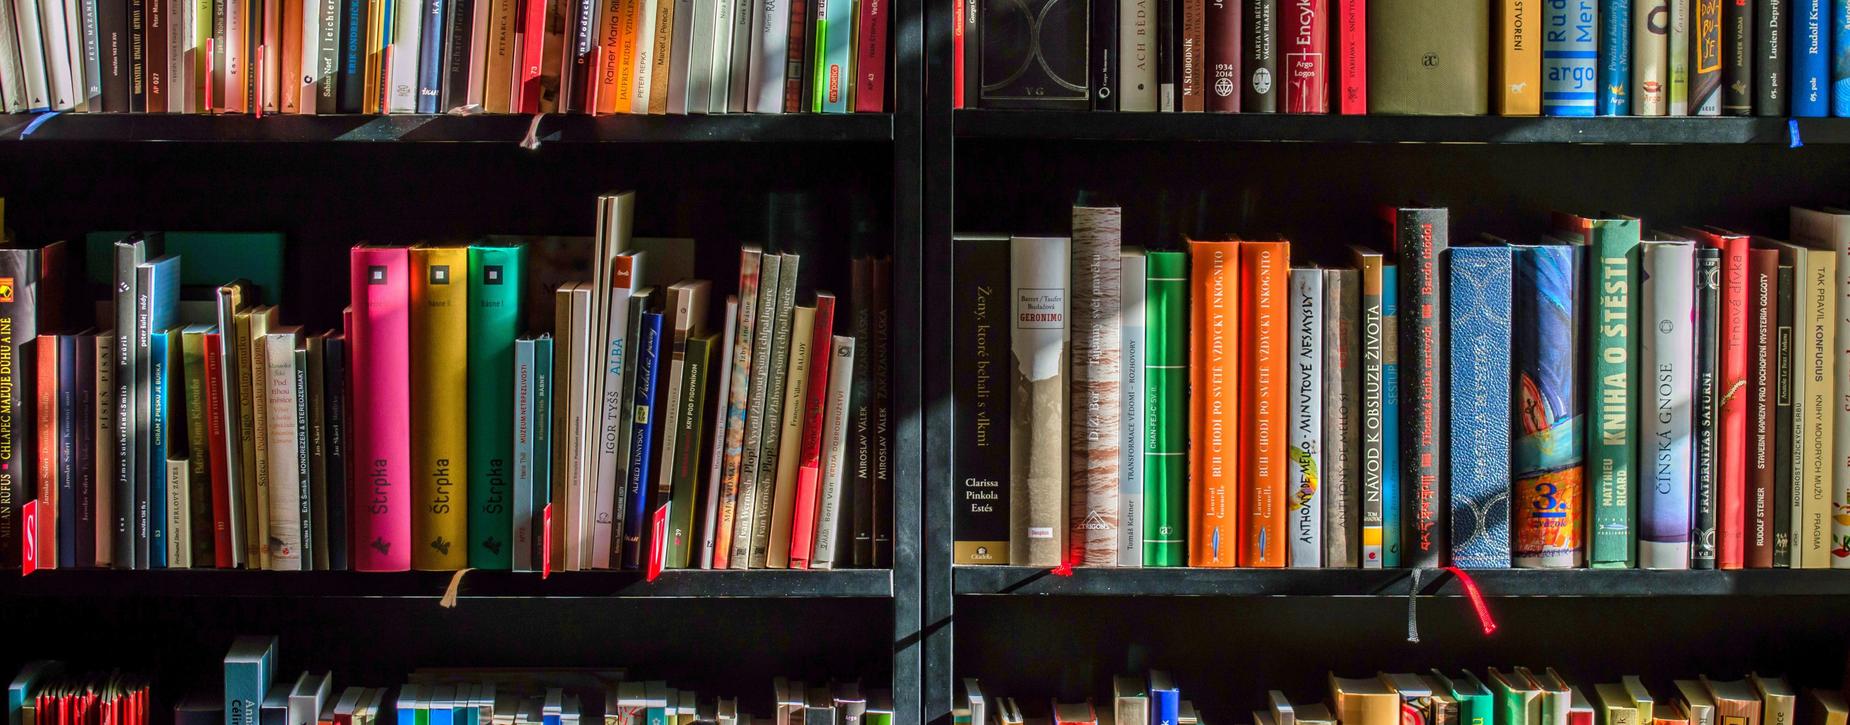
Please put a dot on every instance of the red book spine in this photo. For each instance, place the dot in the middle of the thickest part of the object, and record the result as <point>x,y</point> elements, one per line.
<point>1194,56</point>
<point>816,397</point>
<point>793,56</point>
<point>47,400</point>
<point>957,53</point>
<point>532,35</point>
<point>870,65</point>
<point>1731,438</point>
<point>1762,381</point>
<point>1352,56</point>
<point>1223,53</point>
<point>381,500</point>
<point>216,455</point>
<point>1304,32</point>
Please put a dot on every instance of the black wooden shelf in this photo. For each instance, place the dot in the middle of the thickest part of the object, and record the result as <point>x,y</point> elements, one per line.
<point>1108,126</point>
<point>1015,580</point>
<point>419,128</point>
<point>762,584</point>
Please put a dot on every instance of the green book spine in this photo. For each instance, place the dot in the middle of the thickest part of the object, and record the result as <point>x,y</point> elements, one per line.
<point>686,484</point>
<point>1512,705</point>
<point>193,362</point>
<point>1165,486</point>
<point>495,275</point>
<point>1613,450</point>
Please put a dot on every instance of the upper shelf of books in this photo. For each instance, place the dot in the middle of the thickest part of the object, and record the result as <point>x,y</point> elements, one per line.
<point>441,128</point>
<point>1197,582</point>
<point>1085,125</point>
<point>760,584</point>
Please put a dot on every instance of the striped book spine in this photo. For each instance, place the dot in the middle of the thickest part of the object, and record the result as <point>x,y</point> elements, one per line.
<point>1165,489</point>
<point>1667,404</point>
<point>1213,403</point>
<point>1478,350</point>
<point>1570,56</point>
<point>1708,377</point>
<point>1546,458</point>
<point>1096,405</point>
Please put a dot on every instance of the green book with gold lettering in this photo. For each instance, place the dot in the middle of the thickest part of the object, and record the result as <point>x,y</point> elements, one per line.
<point>1165,479</point>
<point>1612,430</point>
<point>495,276</point>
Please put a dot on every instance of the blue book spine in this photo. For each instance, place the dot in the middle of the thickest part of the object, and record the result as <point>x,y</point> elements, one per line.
<point>1840,57</point>
<point>157,449</point>
<point>656,716</point>
<point>542,443</point>
<point>245,683</point>
<point>1548,438</point>
<point>1570,54</point>
<point>1615,57</point>
<point>67,451</point>
<point>1390,416</point>
<point>642,433</point>
<point>837,80</point>
<point>1165,707</point>
<point>430,62</point>
<point>407,705</point>
<point>1479,345</point>
<point>1811,53</point>
<point>442,714</point>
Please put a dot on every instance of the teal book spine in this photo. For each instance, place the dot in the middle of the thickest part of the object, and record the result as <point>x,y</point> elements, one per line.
<point>834,50</point>
<point>1165,488</point>
<point>1390,415</point>
<point>495,275</point>
<point>542,445</point>
<point>157,450</point>
<point>1612,448</point>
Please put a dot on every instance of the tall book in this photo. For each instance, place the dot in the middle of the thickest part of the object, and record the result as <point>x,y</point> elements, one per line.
<point>1811,57</point>
<point>1519,60</point>
<point>1677,58</point>
<point>1102,54</point>
<point>1478,354</point>
<point>256,325</point>
<point>1813,412</point>
<point>1612,354</point>
<point>1342,368</point>
<point>1096,404</point>
<point>1420,238</point>
<point>1214,404</point>
<point>545,399</point>
<point>1615,58</point>
<point>1650,46</point>
<point>41,546</point>
<point>496,275</point>
<point>1708,405</point>
<point>790,440</point>
<point>130,253</point>
<point>697,380</point>
<point>1166,492</point>
<point>1731,434</point>
<point>1136,72</point>
<point>680,435</point>
<point>1829,230</point>
<point>1762,364</point>
<point>440,406</point>
<point>1303,40</point>
<point>834,453</point>
<point>337,423</point>
<point>1770,72</point>
<point>521,463</point>
<point>232,297</point>
<point>199,458</point>
<point>1705,57</point>
<point>738,397</point>
<point>758,401</point>
<point>33,277</point>
<point>380,342</point>
<point>1259,57</point>
<point>287,545</point>
<point>1375,339</point>
<point>1263,364</point>
<point>623,303</point>
<point>1569,56</point>
<point>157,298</point>
<point>222,512</point>
<point>573,515</point>
<point>1391,404</point>
<point>778,369</point>
<point>1666,403</point>
<point>1738,58</point>
<point>1191,27</point>
<point>980,523</point>
<point>1546,460</point>
<point>1038,421</point>
<point>1351,54</point>
<point>1787,478</point>
<point>642,451</point>
<point>1133,284</point>
<point>1304,419</point>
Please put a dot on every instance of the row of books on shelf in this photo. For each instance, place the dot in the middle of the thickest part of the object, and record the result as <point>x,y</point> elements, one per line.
<point>652,426</point>
<point>443,56</point>
<point>1601,396</point>
<point>1518,696</point>
<point>1453,57</point>
<point>44,693</point>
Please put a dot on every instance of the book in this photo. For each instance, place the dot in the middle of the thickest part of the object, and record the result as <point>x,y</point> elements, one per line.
<point>1351,56</point>
<point>1825,707</point>
<point>440,399</point>
<point>738,397</point>
<point>1057,78</point>
<point>681,438</point>
<point>790,440</point>
<point>1342,509</point>
<point>835,424</point>
<point>1731,433</point>
<point>380,341</point>
<point>1420,239</point>
<point>775,389</point>
<point>882,457</point>
<point>1259,57</point>
<point>1735,701</point>
<point>1557,697</point>
<point>1133,282</point>
<point>1038,420</point>
<point>1813,419</point>
<point>759,378</point>
<point>1214,405</point>
<point>1376,339</point>
<point>1519,700</point>
<point>1546,459</point>
<point>1102,51</point>
<point>1262,492</point>
<point>41,548</point>
<point>1762,362</point>
<point>1430,59</point>
<point>1190,73</point>
<point>1481,287</point>
<point>1650,44</point>
<point>1810,53</point>
<point>1304,49</point>
<point>200,535</point>
<point>1136,58</point>
<point>1705,58</point>
<point>1737,58</point>
<point>1768,49</point>
<point>643,434</point>
<point>231,298</point>
<point>1787,474</point>
<point>1615,58</point>
<point>615,371</point>
<point>253,325</point>
<point>1096,428</point>
<point>1615,706</point>
<point>157,291</point>
<point>130,252</point>
<point>1695,701</point>
<point>1166,532</point>
<point>1665,359</point>
<point>496,274</point>
<point>32,278</point>
<point>1165,699</point>
<point>573,493</point>
<point>1708,405</point>
<point>1612,354</point>
<point>1569,54</point>
<point>1678,58</point>
<point>1780,703</point>
<point>1391,404</point>
<point>250,665</point>
<point>1364,701</point>
<point>1829,229</point>
<point>980,520</point>
<point>1304,419</point>
<point>337,424</point>
<point>286,544</point>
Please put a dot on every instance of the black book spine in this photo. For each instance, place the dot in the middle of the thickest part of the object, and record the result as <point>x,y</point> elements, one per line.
<point>1785,488</point>
<point>253,54</point>
<point>1708,334</point>
<point>18,457</point>
<point>461,19</point>
<point>137,57</point>
<point>808,100</point>
<point>1420,236</point>
<point>861,418</point>
<point>67,450</point>
<point>113,37</point>
<point>1738,57</point>
<point>86,450</point>
<point>1166,56</point>
<point>141,418</point>
<point>973,52</point>
<point>350,88</point>
<point>575,72</point>
<point>1770,53</point>
<point>1259,46</point>
<point>128,254</point>
<point>1103,50</point>
<point>979,398</point>
<point>334,443</point>
<point>882,373</point>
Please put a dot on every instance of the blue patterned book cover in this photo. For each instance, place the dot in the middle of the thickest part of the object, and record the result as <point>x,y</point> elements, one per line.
<point>1615,57</point>
<point>1479,359</point>
<point>1570,53</point>
<point>1547,496</point>
<point>1840,57</point>
<point>642,453</point>
<point>1390,416</point>
<point>1811,58</point>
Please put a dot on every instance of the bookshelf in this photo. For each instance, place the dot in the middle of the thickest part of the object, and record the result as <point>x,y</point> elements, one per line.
<point>602,585</point>
<point>1219,127</point>
<point>438,128</point>
<point>1006,581</point>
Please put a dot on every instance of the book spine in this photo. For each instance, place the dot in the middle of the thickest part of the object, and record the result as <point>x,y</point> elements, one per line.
<point>1038,420</point>
<point>1788,489</point>
<point>160,532</point>
<point>1373,424</point>
<point>1341,393</point>
<point>960,70</point>
<point>1304,35</point>
<point>817,43</point>
<point>327,58</point>
<point>834,453</point>
<point>696,380</point>
<point>400,75</point>
<point>770,56</point>
<point>144,87</point>
<point>495,276</point>
<point>1705,58</point>
<point>738,394</point>
<point>102,442</point>
<point>1731,434</point>
<point>1769,58</point>
<point>1166,465</point>
<point>1569,56</point>
<point>1390,402</point>
<point>575,427</point>
<point>304,470</point>
<point>1708,404</point>
<point>1762,360</point>
<point>1481,291</point>
<point>790,440</point>
<point>285,532</point>
<point>1546,460</point>
<point>1214,409</point>
<point>1132,287</point>
<point>642,435</point>
<point>1650,20</point>
<point>1222,35</point>
<point>1738,58</point>
<point>18,327</point>
<point>1096,404</point>
<point>1304,407</point>
<point>776,387</point>
<point>753,440</point>
<point>1677,58</point>
<point>440,400</point>
<point>31,49</point>
<point>721,376</point>
<point>529,66</point>
<point>1519,59</point>
<point>249,436</point>
<point>643,58</point>
<point>614,415</point>
<point>1166,34</point>
<point>84,441</point>
<point>350,80</point>
<point>430,65</point>
<point>972,49</point>
<point>1102,48</point>
<point>521,527</point>
<point>1811,58</point>
<point>1817,338</point>
<point>1615,58</point>
<point>498,69</point>
<point>860,509</point>
<point>1838,239</point>
<point>1136,73</point>
<point>199,472</point>
<point>1612,446</point>
<point>1665,352</point>
<point>12,72</point>
<point>86,52</point>
<point>65,454</point>
<point>141,423</point>
<point>1259,60</point>
<point>797,51</point>
<point>125,525</point>
<point>1264,364</point>
<point>381,406</point>
<point>336,419</point>
<point>870,62</point>
<point>44,548</point>
<point>1420,235</point>
<point>453,60</point>
<point>1352,56</point>
<point>543,472</point>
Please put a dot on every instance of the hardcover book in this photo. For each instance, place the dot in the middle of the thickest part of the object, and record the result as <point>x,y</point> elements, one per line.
<point>738,395</point>
<point>496,274</point>
<point>643,434</point>
<point>980,523</point>
<point>1223,25</point>
<point>1708,405</point>
<point>1615,57</point>
<point>681,443</point>
<point>1215,411</point>
<point>1811,57</point>
<point>380,340</point>
<point>1787,479</point>
<point>698,380</point>
<point>1038,420</point>
<point>1829,230</point>
<point>1102,49</point>
<point>1479,357</point>
<point>1546,460</point>
<point>1375,338</point>
<point>1261,502</point>
<point>1096,405</point>
<point>1762,362</point>
<point>1304,42</point>
<point>1259,62</point>
<point>1352,56</point>
<point>1705,57</point>
<point>1391,407</point>
<point>1569,55</point>
<point>1136,72</point>
<point>790,440</point>
<point>440,406</point>
<point>1666,402</point>
<point>286,543</point>
<point>1769,52</point>
<point>1678,57</point>
<point>1519,60</point>
<point>835,423</point>
<point>1738,58</point>
<point>1429,58</point>
<point>1166,465</point>
<point>1032,57</point>
<point>1732,407</point>
<point>1612,274</point>
<point>1304,408</point>
<point>1191,56</point>
<point>1420,238</point>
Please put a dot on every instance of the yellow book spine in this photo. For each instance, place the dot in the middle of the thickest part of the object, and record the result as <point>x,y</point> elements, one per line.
<point>1813,550</point>
<point>439,407</point>
<point>1519,58</point>
<point>796,387</point>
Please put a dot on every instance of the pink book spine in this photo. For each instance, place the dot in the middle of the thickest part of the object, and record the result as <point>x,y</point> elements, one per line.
<point>803,526</point>
<point>381,408</point>
<point>1352,56</point>
<point>870,91</point>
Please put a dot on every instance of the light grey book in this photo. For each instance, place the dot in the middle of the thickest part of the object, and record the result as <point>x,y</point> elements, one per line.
<point>1342,379</point>
<point>719,64</point>
<point>687,18</point>
<point>745,18</point>
<point>834,453</point>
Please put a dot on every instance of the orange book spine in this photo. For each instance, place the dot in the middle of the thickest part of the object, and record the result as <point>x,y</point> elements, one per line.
<point>1213,404</point>
<point>1263,269</point>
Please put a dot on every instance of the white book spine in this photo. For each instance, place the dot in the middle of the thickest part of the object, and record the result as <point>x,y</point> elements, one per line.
<point>57,54</point>
<point>12,75</point>
<point>678,56</point>
<point>1096,395</point>
<point>523,455</point>
<point>721,372</point>
<point>1306,415</point>
<point>719,63</point>
<point>1137,59</point>
<point>1678,59</point>
<point>74,48</point>
<point>285,531</point>
<point>696,72</point>
<point>575,530</point>
<point>1133,270</point>
<point>612,424</point>
<point>407,28</point>
<point>179,30</point>
<point>645,57</point>
<point>1039,426</point>
<point>308,73</point>
<point>1830,231</point>
<point>32,55</point>
<point>770,50</point>
<point>834,452</point>
<point>179,518</point>
<point>1666,362</point>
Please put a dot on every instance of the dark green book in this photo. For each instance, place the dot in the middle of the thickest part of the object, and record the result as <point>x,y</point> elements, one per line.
<point>495,274</point>
<point>1612,442</point>
<point>199,496</point>
<point>1165,481</point>
<point>683,496</point>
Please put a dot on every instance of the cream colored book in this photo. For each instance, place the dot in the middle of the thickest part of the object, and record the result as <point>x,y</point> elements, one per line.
<point>179,515</point>
<point>834,453</point>
<point>1615,705</point>
<point>1825,707</point>
<point>1829,230</point>
<point>262,319</point>
<point>1778,703</point>
<point>1038,451</point>
<point>282,440</point>
<point>790,441</point>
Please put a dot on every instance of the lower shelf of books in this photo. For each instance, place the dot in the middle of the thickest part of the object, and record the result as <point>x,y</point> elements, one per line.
<point>1201,582</point>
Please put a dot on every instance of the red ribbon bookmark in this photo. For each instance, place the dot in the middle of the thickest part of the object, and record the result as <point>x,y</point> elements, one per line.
<point>1477,600</point>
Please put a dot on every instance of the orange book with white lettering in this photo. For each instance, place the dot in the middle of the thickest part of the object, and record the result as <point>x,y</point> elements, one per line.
<point>1264,267</point>
<point>1213,403</point>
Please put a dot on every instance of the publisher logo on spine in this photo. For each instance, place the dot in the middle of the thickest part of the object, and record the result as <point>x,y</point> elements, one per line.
<point>6,290</point>
<point>1040,308</point>
<point>491,274</point>
<point>440,274</point>
<point>375,274</point>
